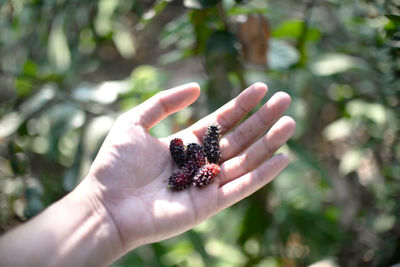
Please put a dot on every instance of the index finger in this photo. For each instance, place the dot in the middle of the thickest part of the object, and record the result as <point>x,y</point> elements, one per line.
<point>232,112</point>
<point>164,103</point>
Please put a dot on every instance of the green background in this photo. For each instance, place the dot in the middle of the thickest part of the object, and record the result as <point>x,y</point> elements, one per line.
<point>68,68</point>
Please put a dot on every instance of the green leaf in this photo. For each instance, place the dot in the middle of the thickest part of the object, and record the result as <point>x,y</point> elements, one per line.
<point>310,159</point>
<point>64,117</point>
<point>350,161</point>
<point>18,162</point>
<point>281,55</point>
<point>103,22</point>
<point>245,10</point>
<point>177,254</point>
<point>157,8</point>
<point>384,223</point>
<point>12,121</point>
<point>393,17</point>
<point>254,222</point>
<point>123,41</point>
<point>294,28</point>
<point>198,243</point>
<point>373,111</point>
<point>34,204</point>
<point>203,21</point>
<point>38,101</point>
<point>104,93</point>
<point>30,68</point>
<point>221,42</point>
<point>227,254</point>
<point>221,51</point>
<point>340,128</point>
<point>333,63</point>
<point>332,213</point>
<point>9,124</point>
<point>58,49</point>
<point>23,86</point>
<point>200,4</point>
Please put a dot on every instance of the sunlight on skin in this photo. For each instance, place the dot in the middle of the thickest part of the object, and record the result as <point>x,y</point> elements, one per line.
<point>168,209</point>
<point>207,200</point>
<point>252,181</point>
<point>257,152</point>
<point>232,112</point>
<point>144,195</point>
<point>130,204</point>
<point>255,126</point>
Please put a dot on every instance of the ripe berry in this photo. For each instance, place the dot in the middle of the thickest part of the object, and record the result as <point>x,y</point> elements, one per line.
<point>180,179</point>
<point>206,175</point>
<point>211,144</point>
<point>178,152</point>
<point>195,156</point>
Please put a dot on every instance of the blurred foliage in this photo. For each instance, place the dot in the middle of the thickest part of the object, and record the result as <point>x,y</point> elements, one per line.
<point>68,68</point>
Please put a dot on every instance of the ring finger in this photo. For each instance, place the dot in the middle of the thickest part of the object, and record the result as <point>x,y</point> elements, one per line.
<point>257,153</point>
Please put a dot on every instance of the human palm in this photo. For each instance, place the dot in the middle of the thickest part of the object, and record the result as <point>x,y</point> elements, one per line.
<point>131,170</point>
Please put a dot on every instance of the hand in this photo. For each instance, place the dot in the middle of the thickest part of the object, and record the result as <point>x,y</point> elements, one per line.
<point>129,175</point>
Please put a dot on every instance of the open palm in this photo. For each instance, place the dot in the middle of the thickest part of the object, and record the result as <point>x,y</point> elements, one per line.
<point>131,170</point>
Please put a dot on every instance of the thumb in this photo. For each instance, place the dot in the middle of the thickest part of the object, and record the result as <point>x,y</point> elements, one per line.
<point>165,103</point>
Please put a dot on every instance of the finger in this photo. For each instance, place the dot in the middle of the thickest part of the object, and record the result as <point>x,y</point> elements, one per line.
<point>247,184</point>
<point>259,151</point>
<point>232,112</point>
<point>165,103</point>
<point>250,130</point>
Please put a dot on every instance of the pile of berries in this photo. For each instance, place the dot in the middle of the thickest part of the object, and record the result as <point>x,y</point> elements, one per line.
<point>198,165</point>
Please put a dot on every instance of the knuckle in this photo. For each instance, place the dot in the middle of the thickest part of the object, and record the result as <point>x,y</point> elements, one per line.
<point>238,137</point>
<point>245,163</point>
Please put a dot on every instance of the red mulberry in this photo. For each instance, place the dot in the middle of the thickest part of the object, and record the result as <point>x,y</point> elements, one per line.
<point>195,156</point>
<point>178,151</point>
<point>180,179</point>
<point>206,175</point>
<point>211,144</point>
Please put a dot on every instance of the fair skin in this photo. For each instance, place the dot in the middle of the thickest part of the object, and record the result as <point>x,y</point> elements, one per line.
<point>124,202</point>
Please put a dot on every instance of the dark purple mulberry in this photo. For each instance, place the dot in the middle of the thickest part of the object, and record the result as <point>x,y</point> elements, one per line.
<point>178,151</point>
<point>211,144</point>
<point>195,156</point>
<point>206,175</point>
<point>180,179</point>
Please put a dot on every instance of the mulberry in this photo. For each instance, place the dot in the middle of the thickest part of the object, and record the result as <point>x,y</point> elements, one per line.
<point>178,151</point>
<point>206,175</point>
<point>195,156</point>
<point>180,179</point>
<point>211,144</point>
<point>198,165</point>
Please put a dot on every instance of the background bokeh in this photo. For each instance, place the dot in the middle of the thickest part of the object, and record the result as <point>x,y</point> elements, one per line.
<point>68,68</point>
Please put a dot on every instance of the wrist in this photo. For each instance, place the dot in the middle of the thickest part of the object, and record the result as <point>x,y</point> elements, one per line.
<point>75,231</point>
<point>95,228</point>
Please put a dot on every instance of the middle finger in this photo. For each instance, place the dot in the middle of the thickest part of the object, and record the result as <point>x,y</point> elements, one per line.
<point>251,129</point>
